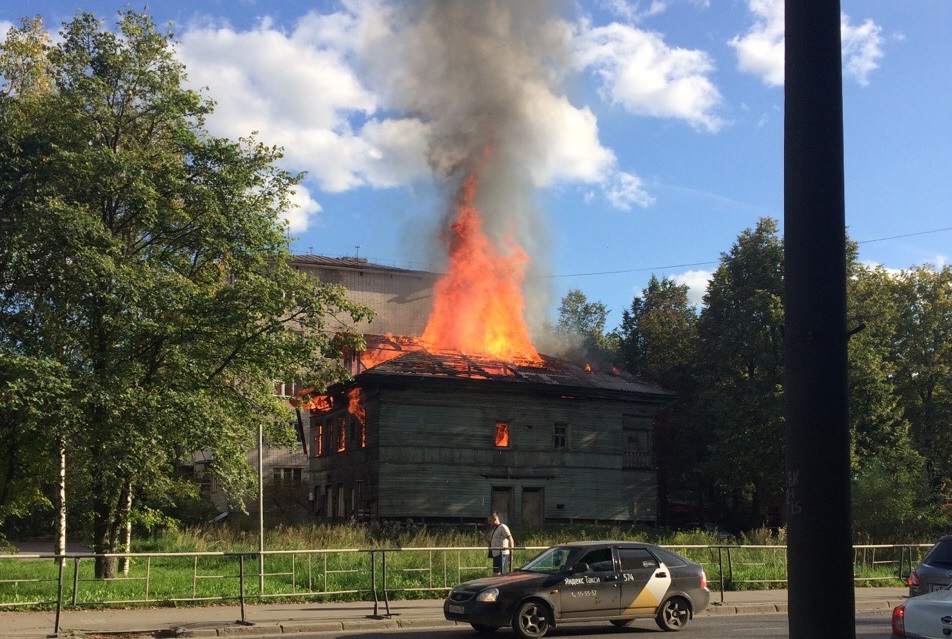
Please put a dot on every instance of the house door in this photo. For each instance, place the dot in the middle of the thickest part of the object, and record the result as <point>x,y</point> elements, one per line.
<point>502,503</point>
<point>532,512</point>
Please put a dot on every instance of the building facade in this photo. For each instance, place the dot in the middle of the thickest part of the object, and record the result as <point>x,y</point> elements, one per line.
<point>445,437</point>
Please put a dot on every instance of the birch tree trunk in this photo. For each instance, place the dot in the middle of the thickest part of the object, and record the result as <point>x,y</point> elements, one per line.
<point>127,530</point>
<point>59,542</point>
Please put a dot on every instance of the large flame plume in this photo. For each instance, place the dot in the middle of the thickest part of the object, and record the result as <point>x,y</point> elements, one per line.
<point>478,303</point>
<point>473,72</point>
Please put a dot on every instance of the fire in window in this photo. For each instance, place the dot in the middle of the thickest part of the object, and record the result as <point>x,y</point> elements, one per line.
<point>341,433</point>
<point>502,434</point>
<point>319,439</point>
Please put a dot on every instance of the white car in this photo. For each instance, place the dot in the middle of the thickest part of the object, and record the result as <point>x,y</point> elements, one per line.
<point>927,616</point>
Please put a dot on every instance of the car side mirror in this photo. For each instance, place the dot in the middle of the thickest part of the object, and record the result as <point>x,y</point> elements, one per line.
<point>579,567</point>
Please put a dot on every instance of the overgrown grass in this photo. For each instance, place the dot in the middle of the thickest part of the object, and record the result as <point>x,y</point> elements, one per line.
<point>345,562</point>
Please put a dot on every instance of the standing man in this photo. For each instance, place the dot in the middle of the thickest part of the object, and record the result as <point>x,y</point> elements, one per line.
<point>501,544</point>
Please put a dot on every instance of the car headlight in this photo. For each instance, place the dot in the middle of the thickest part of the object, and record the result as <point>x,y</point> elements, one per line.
<point>490,594</point>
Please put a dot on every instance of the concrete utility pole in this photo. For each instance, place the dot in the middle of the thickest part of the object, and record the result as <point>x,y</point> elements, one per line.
<point>819,526</point>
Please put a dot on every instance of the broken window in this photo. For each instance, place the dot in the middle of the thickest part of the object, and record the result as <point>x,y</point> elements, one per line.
<point>341,434</point>
<point>288,476</point>
<point>341,504</point>
<point>502,434</point>
<point>319,439</point>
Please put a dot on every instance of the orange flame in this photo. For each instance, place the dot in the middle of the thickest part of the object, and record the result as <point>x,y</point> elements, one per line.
<point>382,351</point>
<point>502,434</point>
<point>356,408</point>
<point>478,304</point>
<point>306,398</point>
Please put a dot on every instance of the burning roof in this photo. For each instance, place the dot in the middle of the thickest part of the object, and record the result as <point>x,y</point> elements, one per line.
<point>408,358</point>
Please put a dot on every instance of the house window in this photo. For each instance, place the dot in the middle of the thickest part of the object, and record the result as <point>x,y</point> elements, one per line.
<point>288,476</point>
<point>357,498</point>
<point>637,449</point>
<point>319,439</point>
<point>502,435</point>
<point>328,501</point>
<point>357,435</point>
<point>341,504</point>
<point>560,436</point>
<point>341,434</point>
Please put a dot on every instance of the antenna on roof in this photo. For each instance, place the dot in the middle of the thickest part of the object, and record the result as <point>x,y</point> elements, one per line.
<point>310,250</point>
<point>357,252</point>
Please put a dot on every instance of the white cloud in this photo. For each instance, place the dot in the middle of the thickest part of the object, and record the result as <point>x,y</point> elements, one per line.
<point>567,138</point>
<point>646,76</point>
<point>761,50</point>
<point>625,189</point>
<point>303,89</point>
<point>697,282</point>
<point>862,48</point>
<point>299,90</point>
<point>634,11</point>
<point>572,153</point>
<point>303,207</point>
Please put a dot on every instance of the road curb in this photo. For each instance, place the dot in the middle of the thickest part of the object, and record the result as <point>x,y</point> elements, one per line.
<point>356,625</point>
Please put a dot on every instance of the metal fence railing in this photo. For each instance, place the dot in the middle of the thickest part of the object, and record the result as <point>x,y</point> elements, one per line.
<point>35,581</point>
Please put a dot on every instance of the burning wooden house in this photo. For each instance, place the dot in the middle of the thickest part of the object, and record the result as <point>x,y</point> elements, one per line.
<point>441,436</point>
<point>466,417</point>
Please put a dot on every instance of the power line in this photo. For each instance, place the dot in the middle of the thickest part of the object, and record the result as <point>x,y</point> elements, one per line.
<point>899,237</point>
<point>413,265</point>
<point>661,268</point>
<point>633,270</point>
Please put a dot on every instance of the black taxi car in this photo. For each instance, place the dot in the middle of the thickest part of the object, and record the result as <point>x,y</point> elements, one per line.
<point>584,581</point>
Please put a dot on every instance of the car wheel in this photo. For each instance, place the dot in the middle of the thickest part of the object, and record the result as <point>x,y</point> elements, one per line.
<point>621,623</point>
<point>484,630</point>
<point>531,620</point>
<point>673,614</point>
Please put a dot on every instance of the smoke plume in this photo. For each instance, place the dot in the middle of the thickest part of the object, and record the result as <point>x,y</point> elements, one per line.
<point>478,74</point>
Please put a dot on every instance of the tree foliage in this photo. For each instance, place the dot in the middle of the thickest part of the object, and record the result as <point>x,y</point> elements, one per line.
<point>582,324</point>
<point>741,372</point>
<point>722,441</point>
<point>658,343</point>
<point>658,334</point>
<point>922,362</point>
<point>143,270</point>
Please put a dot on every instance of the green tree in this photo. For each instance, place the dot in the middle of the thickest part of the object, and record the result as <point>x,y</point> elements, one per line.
<point>658,334</point>
<point>658,342</point>
<point>890,487</point>
<point>144,263</point>
<point>740,373</point>
<point>582,323</point>
<point>876,419</point>
<point>922,362</point>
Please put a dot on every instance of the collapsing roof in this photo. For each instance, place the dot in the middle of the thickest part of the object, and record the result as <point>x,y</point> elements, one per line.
<point>394,359</point>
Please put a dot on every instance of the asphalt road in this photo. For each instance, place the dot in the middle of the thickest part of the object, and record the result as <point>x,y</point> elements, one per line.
<point>869,625</point>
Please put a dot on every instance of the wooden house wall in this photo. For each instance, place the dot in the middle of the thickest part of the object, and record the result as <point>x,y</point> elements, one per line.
<point>437,456</point>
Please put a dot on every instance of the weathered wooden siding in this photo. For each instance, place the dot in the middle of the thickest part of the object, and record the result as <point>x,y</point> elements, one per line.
<point>438,458</point>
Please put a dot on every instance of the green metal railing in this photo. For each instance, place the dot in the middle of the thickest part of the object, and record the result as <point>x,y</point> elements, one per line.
<point>34,581</point>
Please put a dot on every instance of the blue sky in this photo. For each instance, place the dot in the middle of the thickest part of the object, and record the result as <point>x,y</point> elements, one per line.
<point>646,135</point>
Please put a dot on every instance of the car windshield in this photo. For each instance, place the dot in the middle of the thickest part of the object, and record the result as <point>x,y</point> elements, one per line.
<point>553,560</point>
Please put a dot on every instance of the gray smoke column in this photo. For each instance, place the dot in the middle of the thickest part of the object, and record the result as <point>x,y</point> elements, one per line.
<point>473,72</point>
